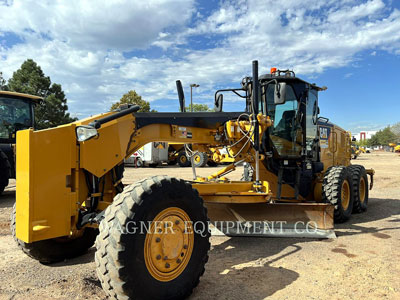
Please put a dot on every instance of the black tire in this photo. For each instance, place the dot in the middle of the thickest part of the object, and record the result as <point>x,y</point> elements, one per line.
<point>183,160</point>
<point>200,159</point>
<point>4,171</point>
<point>337,190</point>
<point>360,188</point>
<point>139,162</point>
<point>57,249</point>
<point>211,163</point>
<point>120,257</point>
<point>172,162</point>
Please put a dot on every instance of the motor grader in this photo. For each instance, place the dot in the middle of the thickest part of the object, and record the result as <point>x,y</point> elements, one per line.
<point>70,196</point>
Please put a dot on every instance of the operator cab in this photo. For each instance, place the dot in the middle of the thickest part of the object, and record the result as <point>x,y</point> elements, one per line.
<point>294,133</point>
<point>16,113</point>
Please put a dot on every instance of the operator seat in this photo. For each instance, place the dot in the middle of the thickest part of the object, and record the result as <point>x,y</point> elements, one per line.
<point>285,125</point>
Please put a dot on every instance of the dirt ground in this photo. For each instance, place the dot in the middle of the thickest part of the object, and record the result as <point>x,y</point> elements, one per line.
<point>362,262</point>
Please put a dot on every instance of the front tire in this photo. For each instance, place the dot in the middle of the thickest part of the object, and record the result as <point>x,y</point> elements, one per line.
<point>136,264</point>
<point>337,190</point>
<point>57,249</point>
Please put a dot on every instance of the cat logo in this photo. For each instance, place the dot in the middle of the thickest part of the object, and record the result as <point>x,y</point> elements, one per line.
<point>159,145</point>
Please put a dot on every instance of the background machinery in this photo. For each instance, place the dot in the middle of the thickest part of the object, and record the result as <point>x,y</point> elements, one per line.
<point>297,169</point>
<point>151,154</point>
<point>16,113</point>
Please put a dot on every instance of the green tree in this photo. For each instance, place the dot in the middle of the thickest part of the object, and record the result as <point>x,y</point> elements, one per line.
<point>3,86</point>
<point>396,130</point>
<point>30,79</point>
<point>132,97</point>
<point>198,108</point>
<point>383,137</point>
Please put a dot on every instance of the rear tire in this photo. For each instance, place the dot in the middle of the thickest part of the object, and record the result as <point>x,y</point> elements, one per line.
<point>183,160</point>
<point>211,163</point>
<point>139,162</point>
<point>360,188</point>
<point>337,190</point>
<point>127,266</point>
<point>57,249</point>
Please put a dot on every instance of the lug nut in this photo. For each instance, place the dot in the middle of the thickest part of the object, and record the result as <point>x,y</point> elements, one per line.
<point>178,261</point>
<point>158,240</point>
<point>165,257</point>
<point>158,257</point>
<point>177,222</point>
<point>167,265</point>
<point>185,246</point>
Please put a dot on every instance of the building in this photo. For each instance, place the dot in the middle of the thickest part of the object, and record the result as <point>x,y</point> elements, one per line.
<point>363,135</point>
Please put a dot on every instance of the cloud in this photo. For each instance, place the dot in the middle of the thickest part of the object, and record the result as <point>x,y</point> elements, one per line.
<point>91,47</point>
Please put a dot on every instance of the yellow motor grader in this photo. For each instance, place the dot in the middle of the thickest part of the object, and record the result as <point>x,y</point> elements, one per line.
<point>152,237</point>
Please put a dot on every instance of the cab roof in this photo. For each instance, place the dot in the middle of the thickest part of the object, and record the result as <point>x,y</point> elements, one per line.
<point>290,78</point>
<point>36,99</point>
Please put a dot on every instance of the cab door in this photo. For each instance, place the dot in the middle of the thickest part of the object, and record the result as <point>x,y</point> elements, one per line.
<point>327,144</point>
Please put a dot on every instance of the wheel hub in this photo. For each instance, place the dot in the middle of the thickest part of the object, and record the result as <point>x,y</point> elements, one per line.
<point>345,195</point>
<point>169,244</point>
<point>362,190</point>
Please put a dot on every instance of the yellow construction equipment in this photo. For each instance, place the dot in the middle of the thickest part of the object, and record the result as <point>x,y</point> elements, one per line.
<point>356,151</point>
<point>153,236</point>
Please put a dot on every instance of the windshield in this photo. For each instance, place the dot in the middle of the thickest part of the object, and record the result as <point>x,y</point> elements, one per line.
<point>15,114</point>
<point>284,132</point>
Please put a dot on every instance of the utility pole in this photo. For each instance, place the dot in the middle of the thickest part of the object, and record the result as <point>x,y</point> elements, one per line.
<point>191,95</point>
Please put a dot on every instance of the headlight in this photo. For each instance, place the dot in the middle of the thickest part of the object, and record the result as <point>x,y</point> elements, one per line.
<point>84,133</point>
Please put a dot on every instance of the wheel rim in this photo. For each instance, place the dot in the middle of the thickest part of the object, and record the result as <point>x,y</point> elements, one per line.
<point>345,195</point>
<point>362,190</point>
<point>169,244</point>
<point>183,159</point>
<point>197,158</point>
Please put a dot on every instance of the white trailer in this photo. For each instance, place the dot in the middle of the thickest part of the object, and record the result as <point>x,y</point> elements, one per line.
<point>151,154</point>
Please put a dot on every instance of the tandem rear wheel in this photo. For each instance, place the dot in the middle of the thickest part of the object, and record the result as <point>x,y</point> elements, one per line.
<point>148,246</point>
<point>337,190</point>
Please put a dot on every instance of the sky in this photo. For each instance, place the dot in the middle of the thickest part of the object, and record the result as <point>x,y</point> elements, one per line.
<point>99,50</point>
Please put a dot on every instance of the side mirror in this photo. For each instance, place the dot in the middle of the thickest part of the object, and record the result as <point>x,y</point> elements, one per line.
<point>181,95</point>
<point>280,93</point>
<point>218,103</point>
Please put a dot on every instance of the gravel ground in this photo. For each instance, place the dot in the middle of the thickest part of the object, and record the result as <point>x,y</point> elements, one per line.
<point>362,262</point>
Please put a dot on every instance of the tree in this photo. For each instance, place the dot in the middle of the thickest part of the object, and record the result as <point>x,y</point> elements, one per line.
<point>3,86</point>
<point>30,79</point>
<point>198,108</point>
<point>383,137</point>
<point>132,97</point>
<point>396,130</point>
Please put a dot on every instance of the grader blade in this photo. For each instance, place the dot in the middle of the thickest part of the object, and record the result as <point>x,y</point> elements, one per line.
<point>310,220</point>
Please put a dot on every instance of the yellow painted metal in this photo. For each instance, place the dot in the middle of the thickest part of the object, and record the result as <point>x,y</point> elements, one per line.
<point>222,171</point>
<point>21,95</point>
<point>319,214</point>
<point>345,195</point>
<point>232,192</point>
<point>169,244</point>
<point>44,201</point>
